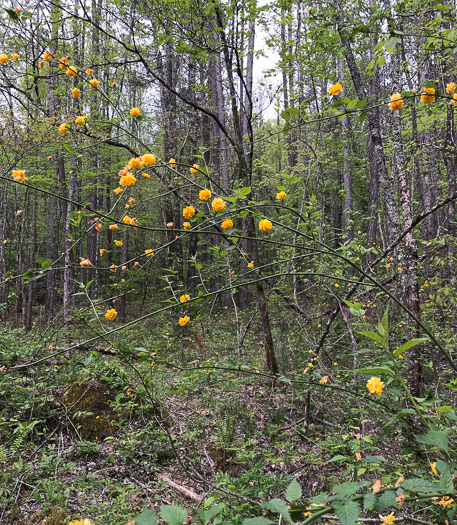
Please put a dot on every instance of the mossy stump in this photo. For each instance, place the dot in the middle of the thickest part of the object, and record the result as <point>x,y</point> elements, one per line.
<point>87,402</point>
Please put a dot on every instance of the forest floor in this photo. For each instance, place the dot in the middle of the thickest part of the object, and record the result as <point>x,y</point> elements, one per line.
<point>209,435</point>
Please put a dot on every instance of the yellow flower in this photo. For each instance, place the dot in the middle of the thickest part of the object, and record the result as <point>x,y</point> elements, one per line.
<point>93,83</point>
<point>4,59</point>
<point>205,195</point>
<point>188,212</point>
<point>337,285</point>
<point>16,56</point>
<point>75,92</point>
<point>387,266</point>
<point>149,252</point>
<point>433,467</point>
<point>127,180</point>
<point>71,71</point>
<point>135,163</point>
<point>375,386</point>
<point>396,102</point>
<point>251,265</point>
<point>127,219</point>
<point>425,285</point>
<point>429,96</point>
<point>85,263</point>
<point>63,64</point>
<point>135,112</point>
<point>194,169</point>
<point>227,224</point>
<point>187,226</point>
<point>113,268</point>
<point>335,89</point>
<point>111,314</point>
<point>19,176</point>
<point>281,195</point>
<point>131,200</point>
<point>85,521</point>
<point>445,501</point>
<point>265,225</point>
<point>118,243</point>
<point>218,204</point>
<point>47,56</point>
<point>81,120</point>
<point>89,72</point>
<point>184,298</point>
<point>323,380</point>
<point>388,520</point>
<point>454,99</point>
<point>113,227</point>
<point>149,159</point>
<point>63,128</point>
<point>450,88</point>
<point>184,320</point>
<point>172,163</point>
<point>146,175</point>
<point>102,251</point>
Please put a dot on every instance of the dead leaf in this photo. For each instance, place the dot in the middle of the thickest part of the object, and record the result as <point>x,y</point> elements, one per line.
<point>377,486</point>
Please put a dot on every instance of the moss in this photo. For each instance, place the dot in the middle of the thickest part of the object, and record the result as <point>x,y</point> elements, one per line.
<point>85,400</point>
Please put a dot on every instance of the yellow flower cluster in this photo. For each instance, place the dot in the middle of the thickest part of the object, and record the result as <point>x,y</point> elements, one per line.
<point>184,320</point>
<point>227,224</point>
<point>265,225</point>
<point>63,128</point>
<point>135,112</point>
<point>4,59</point>
<point>205,195</point>
<point>335,89</point>
<point>149,253</point>
<point>149,159</point>
<point>281,195</point>
<point>218,204</point>
<point>188,212</point>
<point>375,386</point>
<point>19,176</point>
<point>396,102</point>
<point>118,243</point>
<point>428,96</point>
<point>135,163</point>
<point>81,120</point>
<point>71,71</point>
<point>184,298</point>
<point>194,169</point>
<point>93,83</point>
<point>127,180</point>
<point>187,226</point>
<point>111,314</point>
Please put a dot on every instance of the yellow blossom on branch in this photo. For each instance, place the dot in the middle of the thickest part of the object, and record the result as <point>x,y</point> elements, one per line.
<point>127,180</point>
<point>227,224</point>
<point>81,120</point>
<point>172,163</point>
<point>75,92</point>
<point>335,89</point>
<point>63,128</point>
<point>149,159</point>
<point>184,320</point>
<point>375,386</point>
<point>218,204</point>
<point>281,195</point>
<point>450,88</point>
<point>118,243</point>
<point>19,176</point>
<point>428,96</point>
<point>4,59</point>
<point>71,71</point>
<point>187,226</point>
<point>396,102</point>
<point>85,263</point>
<point>135,163</point>
<point>265,225</point>
<point>184,298</point>
<point>205,195</point>
<point>194,169</point>
<point>93,83</point>
<point>89,72</point>
<point>149,252</point>
<point>188,212</point>
<point>47,56</point>
<point>111,314</point>
<point>118,190</point>
<point>135,112</point>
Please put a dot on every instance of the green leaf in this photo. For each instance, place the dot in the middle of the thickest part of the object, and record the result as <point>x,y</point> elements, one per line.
<point>446,484</point>
<point>12,14</point>
<point>205,516</point>
<point>293,111</point>
<point>286,129</point>
<point>280,506</point>
<point>386,499</point>
<point>173,515</point>
<point>443,409</point>
<point>347,512</point>
<point>257,521</point>
<point>373,459</point>
<point>375,337</point>
<point>244,191</point>
<point>293,491</point>
<point>419,485</point>
<point>362,117</point>
<point>285,115</point>
<point>69,148</point>
<point>338,457</point>
<point>435,438</point>
<point>375,370</point>
<point>369,500</point>
<point>230,199</point>
<point>385,322</point>
<point>350,488</point>
<point>147,517</point>
<point>381,61</point>
<point>408,345</point>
